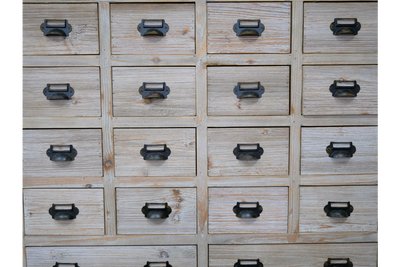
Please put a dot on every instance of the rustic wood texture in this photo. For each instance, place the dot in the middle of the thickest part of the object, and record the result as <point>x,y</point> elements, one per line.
<point>359,179</point>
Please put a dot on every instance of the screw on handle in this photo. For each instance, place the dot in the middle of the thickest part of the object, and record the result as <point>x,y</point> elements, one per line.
<point>61,152</point>
<point>341,149</point>
<point>155,152</point>
<point>249,263</point>
<point>56,27</point>
<point>248,151</point>
<point>248,90</point>
<point>247,209</point>
<point>154,90</point>
<point>153,27</point>
<point>338,262</point>
<point>338,209</point>
<point>248,27</point>
<point>58,91</point>
<point>344,88</point>
<point>63,212</point>
<point>156,210</point>
<point>345,26</point>
<point>157,264</point>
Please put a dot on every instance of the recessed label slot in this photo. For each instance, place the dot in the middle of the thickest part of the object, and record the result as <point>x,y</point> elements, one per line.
<point>58,87</point>
<point>52,23</point>
<point>249,23</point>
<point>153,23</point>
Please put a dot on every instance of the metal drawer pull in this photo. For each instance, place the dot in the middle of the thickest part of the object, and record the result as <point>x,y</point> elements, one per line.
<point>250,263</point>
<point>157,264</point>
<point>249,90</point>
<point>62,91</point>
<point>245,27</point>
<point>61,152</point>
<point>338,209</point>
<point>247,209</point>
<point>341,149</point>
<point>63,212</point>
<point>155,152</point>
<point>338,262</point>
<point>345,26</point>
<point>154,90</point>
<point>156,210</point>
<point>248,151</point>
<point>153,27</point>
<point>59,264</point>
<point>57,27</point>
<point>344,89</point>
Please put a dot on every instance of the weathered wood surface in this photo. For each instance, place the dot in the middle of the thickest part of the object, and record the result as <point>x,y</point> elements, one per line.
<point>357,179</point>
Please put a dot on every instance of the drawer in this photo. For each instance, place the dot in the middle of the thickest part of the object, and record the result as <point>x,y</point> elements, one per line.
<point>178,27</point>
<point>294,255</point>
<point>340,90</point>
<point>274,17</point>
<point>235,210</point>
<point>317,140</point>
<point>84,158</point>
<point>338,209</point>
<point>156,211</point>
<point>273,151</point>
<point>61,92</point>
<point>230,94</point>
<point>176,154</point>
<point>154,92</point>
<point>116,256</point>
<point>83,37</point>
<point>75,212</point>
<point>320,38</point>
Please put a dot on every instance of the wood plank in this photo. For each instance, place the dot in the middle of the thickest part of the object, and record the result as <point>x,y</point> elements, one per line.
<point>340,59</point>
<point>61,122</point>
<point>63,182</point>
<point>248,181</point>
<point>359,179</point>
<point>348,120</point>
<point>248,59</point>
<point>61,61</point>
<point>153,122</point>
<point>248,121</point>
<point>153,60</point>
<point>131,181</point>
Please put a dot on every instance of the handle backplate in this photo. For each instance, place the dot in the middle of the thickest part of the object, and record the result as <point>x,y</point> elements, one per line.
<point>338,209</point>
<point>56,27</point>
<point>153,27</point>
<point>63,212</point>
<point>345,26</point>
<point>341,149</point>
<point>248,90</point>
<point>156,210</point>
<point>248,27</point>
<point>247,209</point>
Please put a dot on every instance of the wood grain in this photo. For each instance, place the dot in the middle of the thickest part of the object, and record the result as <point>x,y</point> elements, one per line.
<point>359,179</point>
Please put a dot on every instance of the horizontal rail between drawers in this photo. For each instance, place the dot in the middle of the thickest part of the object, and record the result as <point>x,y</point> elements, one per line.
<point>359,179</point>
<point>357,120</point>
<point>343,59</point>
<point>181,1</point>
<point>64,122</point>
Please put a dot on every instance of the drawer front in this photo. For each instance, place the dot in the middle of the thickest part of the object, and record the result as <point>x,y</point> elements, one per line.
<point>128,144</point>
<point>319,38</point>
<point>325,94</point>
<point>294,255</point>
<point>83,38</point>
<point>180,100</point>
<point>270,99</point>
<point>127,39</point>
<point>318,215</point>
<point>116,256</point>
<point>81,99</point>
<point>221,37</point>
<point>272,219</point>
<point>37,153</point>
<point>39,212</point>
<point>156,210</point>
<point>316,160</point>
<point>223,162</point>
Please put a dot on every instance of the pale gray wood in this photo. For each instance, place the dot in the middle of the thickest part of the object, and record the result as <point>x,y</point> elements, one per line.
<point>154,122</point>
<point>61,122</point>
<point>359,179</point>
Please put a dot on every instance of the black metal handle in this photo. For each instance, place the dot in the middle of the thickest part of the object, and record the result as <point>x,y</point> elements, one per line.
<point>338,262</point>
<point>338,209</point>
<point>158,264</point>
<point>154,90</point>
<point>247,209</point>
<point>249,90</point>
<point>244,263</point>
<point>55,154</point>
<point>156,210</point>
<point>156,27</point>
<point>60,263</point>
<point>341,149</point>
<point>344,89</point>
<point>248,151</point>
<point>341,26</point>
<point>59,212</point>
<point>245,27</point>
<point>155,152</point>
<point>58,91</point>
<point>57,27</point>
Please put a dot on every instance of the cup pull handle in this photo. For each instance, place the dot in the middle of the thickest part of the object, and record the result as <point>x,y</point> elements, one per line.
<point>248,27</point>
<point>247,209</point>
<point>341,149</point>
<point>58,91</point>
<point>56,27</point>
<point>68,154</point>
<point>61,263</point>
<point>154,90</point>
<point>248,90</point>
<point>248,263</point>
<point>345,26</point>
<point>60,213</point>
<point>344,89</point>
<point>156,210</point>
<point>155,152</point>
<point>248,151</point>
<point>338,209</point>
<point>153,27</point>
<point>338,262</point>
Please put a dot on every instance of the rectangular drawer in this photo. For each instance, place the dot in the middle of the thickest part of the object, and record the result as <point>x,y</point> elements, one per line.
<point>319,38</point>
<point>128,144</point>
<point>294,255</point>
<point>83,38</point>
<point>180,101</point>
<point>223,162</point>
<point>318,97</point>
<point>116,256</point>
<point>316,160</point>
<point>318,215</point>
<point>85,99</point>
<point>221,38</point>
<point>87,162</point>
<point>139,211</point>
<point>38,212</point>
<point>272,219</point>
<point>127,39</point>
<point>223,101</point>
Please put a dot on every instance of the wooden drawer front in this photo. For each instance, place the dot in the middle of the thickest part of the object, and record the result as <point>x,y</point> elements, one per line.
<point>315,159</point>
<point>84,102</point>
<point>319,38</point>
<point>39,221</point>
<point>222,161</point>
<point>223,16</point>
<point>293,255</point>
<point>129,162</point>
<point>319,100</point>
<point>131,219</point>
<point>222,101</point>
<point>181,100</point>
<point>363,218</point>
<point>83,39</point>
<point>273,218</point>
<point>116,256</point>
<point>87,143</point>
<point>126,38</point>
